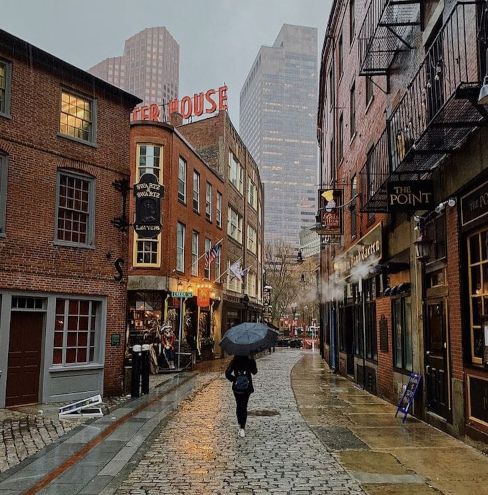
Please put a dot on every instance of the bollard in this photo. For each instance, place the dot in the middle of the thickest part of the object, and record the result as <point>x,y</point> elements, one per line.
<point>145,368</point>
<point>136,371</point>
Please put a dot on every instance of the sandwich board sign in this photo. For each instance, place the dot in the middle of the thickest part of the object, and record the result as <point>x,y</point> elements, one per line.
<point>86,408</point>
<point>405,404</point>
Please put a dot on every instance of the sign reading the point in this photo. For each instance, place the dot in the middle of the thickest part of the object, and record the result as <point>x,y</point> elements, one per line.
<point>410,195</point>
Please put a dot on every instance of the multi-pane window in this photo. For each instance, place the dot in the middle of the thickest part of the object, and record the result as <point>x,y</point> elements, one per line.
<point>180,247</point>
<point>147,251</point>
<point>208,201</point>
<point>219,210</point>
<point>369,293</point>
<point>3,191</point>
<point>233,283</point>
<point>236,173</point>
<point>402,333</point>
<point>234,225</point>
<point>196,191</point>
<point>251,283</point>
<point>252,194</point>
<point>251,239</point>
<point>75,208</point>
<point>182,179</point>
<point>76,339</point>
<point>478,292</point>
<point>194,253</point>
<point>77,117</point>
<point>352,206</point>
<point>5,77</point>
<point>369,90</point>
<point>352,21</point>
<point>352,110</point>
<point>218,265</point>
<point>208,246</point>
<point>340,140</point>
<point>149,158</point>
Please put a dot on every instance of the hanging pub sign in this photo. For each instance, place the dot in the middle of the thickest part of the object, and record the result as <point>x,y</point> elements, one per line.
<point>330,212</point>
<point>148,193</point>
<point>410,195</point>
<point>203,297</point>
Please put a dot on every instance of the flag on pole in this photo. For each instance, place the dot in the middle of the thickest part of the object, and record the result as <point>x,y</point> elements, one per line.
<point>235,270</point>
<point>245,271</point>
<point>211,254</point>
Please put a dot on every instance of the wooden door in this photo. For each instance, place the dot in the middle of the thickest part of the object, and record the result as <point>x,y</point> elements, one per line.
<point>436,372</point>
<point>24,358</point>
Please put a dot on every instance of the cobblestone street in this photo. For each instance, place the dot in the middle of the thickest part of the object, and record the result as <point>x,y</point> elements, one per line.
<point>199,452</point>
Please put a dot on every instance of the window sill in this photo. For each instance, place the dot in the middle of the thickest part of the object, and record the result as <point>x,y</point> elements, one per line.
<point>73,245</point>
<point>209,220</point>
<point>6,115</point>
<point>147,265</point>
<point>195,211</point>
<point>76,367</point>
<point>181,201</point>
<point>76,140</point>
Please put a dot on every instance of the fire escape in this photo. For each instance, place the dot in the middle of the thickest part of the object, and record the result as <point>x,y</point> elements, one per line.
<point>438,111</point>
<point>385,32</point>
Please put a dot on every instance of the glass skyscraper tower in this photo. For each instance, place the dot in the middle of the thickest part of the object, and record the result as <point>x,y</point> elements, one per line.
<point>278,106</point>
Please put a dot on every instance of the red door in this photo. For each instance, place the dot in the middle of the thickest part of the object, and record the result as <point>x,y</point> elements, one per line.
<point>24,358</point>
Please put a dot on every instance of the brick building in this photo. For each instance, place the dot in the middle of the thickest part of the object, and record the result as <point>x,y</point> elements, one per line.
<point>399,115</point>
<point>64,139</point>
<point>193,219</point>
<point>217,141</point>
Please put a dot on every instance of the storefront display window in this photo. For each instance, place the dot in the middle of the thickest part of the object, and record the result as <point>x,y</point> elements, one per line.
<point>478,291</point>
<point>145,310</point>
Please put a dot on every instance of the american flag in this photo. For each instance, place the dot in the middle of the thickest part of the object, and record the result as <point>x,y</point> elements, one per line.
<point>211,254</point>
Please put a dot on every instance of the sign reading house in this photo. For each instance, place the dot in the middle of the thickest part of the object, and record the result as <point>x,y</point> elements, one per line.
<point>410,195</point>
<point>148,193</point>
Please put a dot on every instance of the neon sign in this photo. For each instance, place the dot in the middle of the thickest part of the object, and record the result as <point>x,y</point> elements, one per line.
<point>195,106</point>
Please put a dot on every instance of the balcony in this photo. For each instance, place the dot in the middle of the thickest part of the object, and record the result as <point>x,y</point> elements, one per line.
<point>438,111</point>
<point>385,32</point>
<point>374,176</point>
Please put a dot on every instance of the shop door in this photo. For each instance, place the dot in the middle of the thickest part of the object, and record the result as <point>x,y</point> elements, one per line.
<point>349,331</point>
<point>436,359</point>
<point>24,358</point>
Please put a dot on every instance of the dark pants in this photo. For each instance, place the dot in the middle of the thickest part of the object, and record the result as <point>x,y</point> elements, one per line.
<point>241,409</point>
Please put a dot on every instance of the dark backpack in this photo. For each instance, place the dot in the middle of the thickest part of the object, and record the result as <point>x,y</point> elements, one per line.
<point>241,385</point>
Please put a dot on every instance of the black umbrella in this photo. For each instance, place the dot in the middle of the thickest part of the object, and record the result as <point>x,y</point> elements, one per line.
<point>248,337</point>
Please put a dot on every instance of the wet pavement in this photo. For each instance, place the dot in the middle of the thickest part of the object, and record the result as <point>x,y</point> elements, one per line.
<point>309,432</point>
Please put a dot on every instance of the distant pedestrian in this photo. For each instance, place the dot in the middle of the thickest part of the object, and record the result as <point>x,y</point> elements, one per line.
<point>239,373</point>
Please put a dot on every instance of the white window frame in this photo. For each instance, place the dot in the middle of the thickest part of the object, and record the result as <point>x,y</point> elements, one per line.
<point>182,166</point>
<point>92,140</point>
<point>234,225</point>
<point>8,87</point>
<point>138,240</point>
<point>180,249</point>
<point>196,191</point>
<point>252,194</point>
<point>90,234</point>
<point>195,239</point>
<point>251,239</point>
<point>208,201</point>
<point>218,218</point>
<point>236,173</point>
<point>159,168</point>
<point>233,283</point>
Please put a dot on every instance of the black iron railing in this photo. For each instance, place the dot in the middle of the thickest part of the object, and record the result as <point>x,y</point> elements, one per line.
<point>385,31</point>
<point>439,108</point>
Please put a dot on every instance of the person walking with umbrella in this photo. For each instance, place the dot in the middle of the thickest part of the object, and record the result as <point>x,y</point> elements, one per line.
<point>239,372</point>
<point>242,341</point>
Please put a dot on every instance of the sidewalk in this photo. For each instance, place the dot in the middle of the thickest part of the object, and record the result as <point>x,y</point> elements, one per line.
<point>384,455</point>
<point>89,457</point>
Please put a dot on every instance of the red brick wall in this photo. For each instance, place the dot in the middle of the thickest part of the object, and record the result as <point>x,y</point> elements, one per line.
<point>29,258</point>
<point>454,298</point>
<point>385,359</point>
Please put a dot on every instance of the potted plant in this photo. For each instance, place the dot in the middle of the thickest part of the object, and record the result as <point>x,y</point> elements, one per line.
<point>207,348</point>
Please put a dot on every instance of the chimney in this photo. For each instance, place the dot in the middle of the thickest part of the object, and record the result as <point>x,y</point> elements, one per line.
<point>176,119</point>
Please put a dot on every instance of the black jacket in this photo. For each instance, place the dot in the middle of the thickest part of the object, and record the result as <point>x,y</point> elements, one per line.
<point>242,364</point>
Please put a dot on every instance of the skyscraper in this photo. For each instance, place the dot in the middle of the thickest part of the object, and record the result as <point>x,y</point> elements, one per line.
<point>149,67</point>
<point>277,123</point>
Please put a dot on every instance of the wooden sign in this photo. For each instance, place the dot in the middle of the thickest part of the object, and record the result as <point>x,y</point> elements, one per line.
<point>408,396</point>
<point>410,195</point>
<point>148,193</point>
<point>330,212</point>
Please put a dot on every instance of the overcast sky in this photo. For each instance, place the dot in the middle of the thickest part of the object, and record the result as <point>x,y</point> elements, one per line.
<point>218,39</point>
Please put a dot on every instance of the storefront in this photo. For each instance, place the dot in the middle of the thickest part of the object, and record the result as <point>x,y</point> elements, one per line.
<point>474,270</point>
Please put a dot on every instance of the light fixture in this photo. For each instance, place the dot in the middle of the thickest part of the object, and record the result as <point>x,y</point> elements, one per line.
<point>451,202</point>
<point>422,248</point>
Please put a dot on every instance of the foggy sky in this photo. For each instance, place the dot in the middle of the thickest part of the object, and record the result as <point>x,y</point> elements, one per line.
<point>218,39</point>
